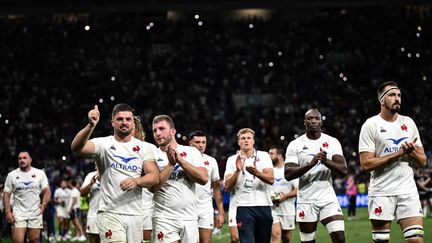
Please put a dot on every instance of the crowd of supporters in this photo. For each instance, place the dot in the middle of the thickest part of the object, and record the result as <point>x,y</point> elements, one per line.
<point>207,73</point>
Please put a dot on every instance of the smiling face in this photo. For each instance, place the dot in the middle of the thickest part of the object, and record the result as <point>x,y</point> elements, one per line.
<point>123,123</point>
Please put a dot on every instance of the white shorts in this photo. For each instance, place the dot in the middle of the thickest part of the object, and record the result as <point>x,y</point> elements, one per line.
<point>91,227</point>
<point>387,207</point>
<point>206,218</point>
<point>170,230</point>
<point>119,227</point>
<point>312,212</point>
<point>35,223</point>
<point>147,222</point>
<point>232,216</point>
<point>61,212</point>
<point>286,222</point>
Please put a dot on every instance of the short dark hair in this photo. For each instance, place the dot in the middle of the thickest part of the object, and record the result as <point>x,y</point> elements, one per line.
<point>381,87</point>
<point>166,118</point>
<point>196,133</point>
<point>121,107</point>
<point>279,150</point>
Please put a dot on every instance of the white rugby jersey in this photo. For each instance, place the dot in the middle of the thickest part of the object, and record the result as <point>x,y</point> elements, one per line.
<point>26,188</point>
<point>282,185</point>
<point>62,195</point>
<point>258,194</point>
<point>147,199</point>
<point>204,192</point>
<point>94,194</point>
<point>383,138</point>
<point>117,161</point>
<point>177,199</point>
<point>75,193</point>
<point>316,184</point>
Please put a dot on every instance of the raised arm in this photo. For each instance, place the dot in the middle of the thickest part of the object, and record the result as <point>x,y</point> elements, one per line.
<point>81,143</point>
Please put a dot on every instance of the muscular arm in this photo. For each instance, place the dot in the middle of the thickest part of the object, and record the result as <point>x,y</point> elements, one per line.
<point>151,175</point>
<point>289,195</point>
<point>265,176</point>
<point>217,195</point>
<point>195,173</point>
<point>337,165</point>
<point>46,198</point>
<point>231,180</point>
<point>81,143</point>
<point>294,171</point>
<point>7,207</point>
<point>163,177</point>
<point>369,161</point>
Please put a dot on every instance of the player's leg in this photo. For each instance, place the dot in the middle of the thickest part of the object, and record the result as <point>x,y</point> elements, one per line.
<point>276,232</point>
<point>33,235</point>
<point>410,217</point>
<point>307,217</point>
<point>335,227</point>
<point>381,212</point>
<point>288,226</point>
<point>234,237</point>
<point>276,228</point>
<point>263,223</point>
<point>18,233</point>
<point>245,224</point>
<point>205,224</point>
<point>332,218</point>
<point>232,224</point>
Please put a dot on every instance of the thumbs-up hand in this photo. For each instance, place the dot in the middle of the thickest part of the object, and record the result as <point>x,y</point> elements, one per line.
<point>93,116</point>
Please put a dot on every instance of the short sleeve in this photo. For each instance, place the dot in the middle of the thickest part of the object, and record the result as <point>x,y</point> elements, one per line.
<point>291,153</point>
<point>366,139</point>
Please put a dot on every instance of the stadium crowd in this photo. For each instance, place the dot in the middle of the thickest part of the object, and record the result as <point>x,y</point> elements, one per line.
<point>207,73</point>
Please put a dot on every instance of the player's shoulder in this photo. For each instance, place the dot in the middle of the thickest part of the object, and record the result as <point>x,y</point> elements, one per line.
<point>232,157</point>
<point>261,153</point>
<point>103,139</point>
<point>299,140</point>
<point>209,158</point>
<point>329,137</point>
<point>405,119</point>
<point>373,120</point>
<point>13,172</point>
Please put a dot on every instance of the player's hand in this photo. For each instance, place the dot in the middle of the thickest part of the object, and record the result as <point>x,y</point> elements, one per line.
<point>252,170</point>
<point>93,116</point>
<point>172,155</point>
<point>321,156</point>
<point>239,163</point>
<point>408,147</point>
<point>95,178</point>
<point>219,220</point>
<point>128,184</point>
<point>42,207</point>
<point>62,203</point>
<point>10,217</point>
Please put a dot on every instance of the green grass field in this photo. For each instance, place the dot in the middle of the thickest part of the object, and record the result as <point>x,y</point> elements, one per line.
<point>355,231</point>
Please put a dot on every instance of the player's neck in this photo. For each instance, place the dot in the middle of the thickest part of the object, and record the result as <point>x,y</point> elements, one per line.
<point>279,164</point>
<point>314,135</point>
<point>25,169</point>
<point>388,115</point>
<point>247,153</point>
<point>123,139</point>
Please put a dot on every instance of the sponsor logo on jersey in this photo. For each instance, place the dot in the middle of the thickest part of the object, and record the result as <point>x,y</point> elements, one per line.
<point>27,182</point>
<point>382,129</point>
<point>124,166</point>
<point>404,128</point>
<point>27,185</point>
<point>304,147</point>
<point>394,142</point>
